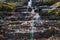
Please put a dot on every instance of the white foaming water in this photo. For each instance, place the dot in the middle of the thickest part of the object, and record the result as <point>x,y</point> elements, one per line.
<point>33,11</point>
<point>32,24</point>
<point>30,3</point>
<point>33,28</point>
<point>36,17</point>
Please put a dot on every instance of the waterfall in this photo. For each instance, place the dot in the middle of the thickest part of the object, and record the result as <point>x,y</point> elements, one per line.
<point>36,17</point>
<point>30,3</point>
<point>32,29</point>
<point>33,11</point>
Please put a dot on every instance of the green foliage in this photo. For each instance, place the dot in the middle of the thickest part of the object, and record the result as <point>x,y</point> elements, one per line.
<point>57,4</point>
<point>21,2</point>
<point>11,5</point>
<point>7,6</point>
<point>49,11</point>
<point>56,13</point>
<point>49,1</point>
<point>0,5</point>
<point>53,12</point>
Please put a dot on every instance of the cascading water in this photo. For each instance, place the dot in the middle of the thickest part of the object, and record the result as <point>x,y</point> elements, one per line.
<point>30,3</point>
<point>32,24</point>
<point>36,17</point>
<point>32,11</point>
<point>32,31</point>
